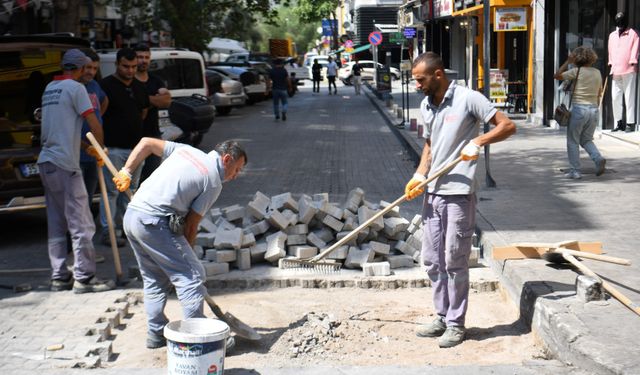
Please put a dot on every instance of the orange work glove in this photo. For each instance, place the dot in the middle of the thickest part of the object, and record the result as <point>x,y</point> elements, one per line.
<point>410,190</point>
<point>470,151</point>
<point>122,180</point>
<point>94,153</point>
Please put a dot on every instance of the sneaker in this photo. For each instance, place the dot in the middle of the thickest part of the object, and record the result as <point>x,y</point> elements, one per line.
<point>93,285</point>
<point>105,240</point>
<point>155,341</point>
<point>58,285</point>
<point>435,329</point>
<point>284,116</point>
<point>574,175</point>
<point>600,167</point>
<point>453,336</point>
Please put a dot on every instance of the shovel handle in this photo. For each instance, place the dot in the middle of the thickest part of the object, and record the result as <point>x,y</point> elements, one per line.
<point>602,258</point>
<point>112,231</point>
<point>106,159</point>
<point>355,232</point>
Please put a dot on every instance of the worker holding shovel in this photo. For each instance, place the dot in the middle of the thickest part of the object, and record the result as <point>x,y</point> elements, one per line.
<point>452,115</point>
<point>162,219</point>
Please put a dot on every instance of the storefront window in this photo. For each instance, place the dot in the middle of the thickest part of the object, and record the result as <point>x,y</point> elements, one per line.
<point>584,27</point>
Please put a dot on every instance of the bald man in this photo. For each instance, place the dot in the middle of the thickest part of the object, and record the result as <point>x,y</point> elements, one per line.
<point>452,115</point>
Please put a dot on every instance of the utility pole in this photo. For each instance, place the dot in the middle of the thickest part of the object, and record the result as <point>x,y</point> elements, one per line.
<point>491,183</point>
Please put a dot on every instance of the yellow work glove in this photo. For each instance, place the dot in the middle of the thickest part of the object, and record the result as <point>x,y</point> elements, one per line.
<point>122,180</point>
<point>91,151</point>
<point>470,151</point>
<point>410,190</point>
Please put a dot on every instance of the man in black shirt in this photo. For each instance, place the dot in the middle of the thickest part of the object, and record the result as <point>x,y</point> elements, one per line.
<point>159,98</point>
<point>357,76</point>
<point>123,129</point>
<point>280,85</point>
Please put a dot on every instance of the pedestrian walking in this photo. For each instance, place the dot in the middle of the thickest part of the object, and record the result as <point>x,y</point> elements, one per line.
<point>65,103</point>
<point>452,115</point>
<point>280,85</point>
<point>123,127</point>
<point>159,98</point>
<point>332,72</point>
<point>587,90</point>
<point>316,73</point>
<point>163,218</point>
<point>356,70</point>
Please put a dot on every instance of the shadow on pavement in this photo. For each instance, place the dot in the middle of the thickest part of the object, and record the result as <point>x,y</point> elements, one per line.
<point>532,290</point>
<point>516,328</point>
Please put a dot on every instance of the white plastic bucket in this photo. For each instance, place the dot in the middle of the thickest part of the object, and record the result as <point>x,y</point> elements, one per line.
<point>196,346</point>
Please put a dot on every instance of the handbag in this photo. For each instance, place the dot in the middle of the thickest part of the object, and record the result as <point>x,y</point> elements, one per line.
<point>562,114</point>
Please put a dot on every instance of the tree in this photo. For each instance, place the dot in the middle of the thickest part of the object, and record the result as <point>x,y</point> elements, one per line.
<point>316,10</point>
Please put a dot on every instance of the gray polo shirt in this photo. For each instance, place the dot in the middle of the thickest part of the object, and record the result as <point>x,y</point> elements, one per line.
<point>187,179</point>
<point>450,127</point>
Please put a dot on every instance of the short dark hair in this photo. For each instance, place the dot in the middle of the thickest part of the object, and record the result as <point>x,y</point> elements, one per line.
<point>90,53</point>
<point>232,148</point>
<point>142,47</point>
<point>126,53</point>
<point>431,59</point>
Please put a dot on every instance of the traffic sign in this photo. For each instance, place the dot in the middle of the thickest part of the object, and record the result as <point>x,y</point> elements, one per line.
<point>375,38</point>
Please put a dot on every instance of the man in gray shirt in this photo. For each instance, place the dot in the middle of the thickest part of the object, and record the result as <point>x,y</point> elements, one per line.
<point>181,190</point>
<point>452,115</point>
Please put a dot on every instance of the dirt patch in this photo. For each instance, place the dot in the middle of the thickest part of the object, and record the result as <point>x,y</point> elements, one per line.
<point>345,327</point>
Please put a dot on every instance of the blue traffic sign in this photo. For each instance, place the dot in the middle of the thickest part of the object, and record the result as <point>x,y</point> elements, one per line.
<point>375,38</point>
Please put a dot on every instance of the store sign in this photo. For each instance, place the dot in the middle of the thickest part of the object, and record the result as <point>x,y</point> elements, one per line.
<point>498,83</point>
<point>396,38</point>
<point>409,32</point>
<point>510,19</point>
<point>383,81</point>
<point>442,8</point>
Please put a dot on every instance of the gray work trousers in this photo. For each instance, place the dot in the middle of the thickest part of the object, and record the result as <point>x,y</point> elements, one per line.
<point>164,259</point>
<point>68,210</point>
<point>449,222</point>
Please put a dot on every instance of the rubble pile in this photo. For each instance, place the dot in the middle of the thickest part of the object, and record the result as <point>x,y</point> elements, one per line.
<point>271,228</point>
<point>317,335</point>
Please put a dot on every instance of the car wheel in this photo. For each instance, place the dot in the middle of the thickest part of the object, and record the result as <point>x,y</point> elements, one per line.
<point>223,111</point>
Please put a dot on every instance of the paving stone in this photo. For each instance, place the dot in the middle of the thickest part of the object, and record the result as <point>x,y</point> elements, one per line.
<point>205,239</point>
<point>225,224</point>
<point>284,201</point>
<point>350,224</point>
<point>306,210</point>
<point>395,225</point>
<point>414,241</point>
<point>333,210</point>
<point>340,253</point>
<point>258,206</point>
<point>313,239</point>
<point>213,269</point>
<point>228,239</point>
<point>258,251</point>
<point>199,251</point>
<point>394,212</point>
<point>297,229</point>
<point>296,239</point>
<point>366,213</point>
<point>356,257</point>
<point>291,216</point>
<point>207,225</point>
<point>248,240</point>
<point>247,220</point>
<point>377,269</point>
<point>324,234</point>
<point>275,247</point>
<point>405,248</point>
<point>370,205</point>
<point>277,219</point>
<point>258,228</point>
<point>303,252</point>
<point>354,199</point>
<point>363,234</point>
<point>233,213</point>
<point>341,235</point>
<point>333,223</point>
<point>474,257</point>
<point>215,214</point>
<point>225,256</point>
<point>243,259</point>
<point>379,247</point>
<point>321,197</point>
<point>400,261</point>
<point>400,236</point>
<point>211,255</point>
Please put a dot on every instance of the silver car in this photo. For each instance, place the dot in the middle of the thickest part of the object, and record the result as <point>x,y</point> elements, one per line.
<point>224,92</point>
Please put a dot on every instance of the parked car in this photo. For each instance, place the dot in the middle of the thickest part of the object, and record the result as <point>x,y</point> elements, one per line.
<point>254,83</point>
<point>28,64</point>
<point>183,73</point>
<point>225,93</point>
<point>345,74</point>
<point>245,57</point>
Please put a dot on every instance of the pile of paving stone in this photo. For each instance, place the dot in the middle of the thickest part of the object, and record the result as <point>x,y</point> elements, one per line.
<point>271,228</point>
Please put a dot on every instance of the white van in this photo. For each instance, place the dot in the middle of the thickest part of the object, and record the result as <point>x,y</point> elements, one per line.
<point>183,73</point>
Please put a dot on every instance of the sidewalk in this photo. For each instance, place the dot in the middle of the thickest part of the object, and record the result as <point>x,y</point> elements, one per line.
<point>534,202</point>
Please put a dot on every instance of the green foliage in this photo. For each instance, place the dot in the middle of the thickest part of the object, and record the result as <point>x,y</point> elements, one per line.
<point>316,10</point>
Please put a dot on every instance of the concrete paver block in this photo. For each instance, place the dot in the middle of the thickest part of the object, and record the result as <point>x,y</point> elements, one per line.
<point>233,213</point>
<point>370,205</point>
<point>228,239</point>
<point>333,223</point>
<point>297,229</point>
<point>303,252</point>
<point>205,239</point>
<point>400,261</point>
<point>325,234</point>
<point>258,228</point>
<point>340,253</point>
<point>405,248</point>
<point>213,269</point>
<point>363,234</point>
<point>356,257</point>
<point>377,269</point>
<point>215,213</point>
<point>258,251</point>
<point>379,247</point>
<point>207,225</point>
<point>588,289</point>
<point>259,205</point>
<point>394,225</point>
<point>365,213</point>
<point>296,239</point>
<point>211,255</point>
<point>284,201</point>
<point>414,241</point>
<point>291,216</point>
<point>247,220</point>
<point>394,212</point>
<point>354,199</point>
<point>275,247</point>
<point>400,236</point>
<point>199,251</point>
<point>314,240</point>
<point>248,240</point>
<point>350,223</point>
<point>321,197</point>
<point>333,210</point>
<point>277,219</point>
<point>223,223</point>
<point>306,210</point>
<point>243,259</point>
<point>225,256</point>
<point>341,235</point>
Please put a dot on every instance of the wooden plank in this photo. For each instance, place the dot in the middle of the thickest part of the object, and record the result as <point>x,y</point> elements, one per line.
<point>533,252</point>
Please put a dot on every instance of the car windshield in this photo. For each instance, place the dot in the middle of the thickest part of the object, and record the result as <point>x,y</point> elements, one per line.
<point>178,74</point>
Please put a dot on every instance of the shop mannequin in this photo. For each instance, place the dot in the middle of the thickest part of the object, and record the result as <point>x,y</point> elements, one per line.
<point>623,61</point>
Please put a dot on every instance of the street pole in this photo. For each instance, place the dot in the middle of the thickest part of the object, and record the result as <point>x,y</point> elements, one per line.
<point>491,183</point>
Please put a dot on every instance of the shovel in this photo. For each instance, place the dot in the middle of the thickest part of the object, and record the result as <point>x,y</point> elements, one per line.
<point>241,329</point>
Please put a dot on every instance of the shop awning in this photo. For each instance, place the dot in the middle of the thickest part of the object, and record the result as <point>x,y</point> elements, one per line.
<point>478,9</point>
<point>359,49</point>
<point>339,50</point>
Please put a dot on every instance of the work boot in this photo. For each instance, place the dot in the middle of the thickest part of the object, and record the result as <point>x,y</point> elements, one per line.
<point>93,285</point>
<point>453,336</point>
<point>58,285</point>
<point>600,166</point>
<point>630,128</point>
<point>284,116</point>
<point>155,341</point>
<point>278,116</point>
<point>105,240</point>
<point>435,329</point>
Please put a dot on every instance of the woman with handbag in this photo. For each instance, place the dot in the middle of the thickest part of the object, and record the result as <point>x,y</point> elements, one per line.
<point>587,89</point>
